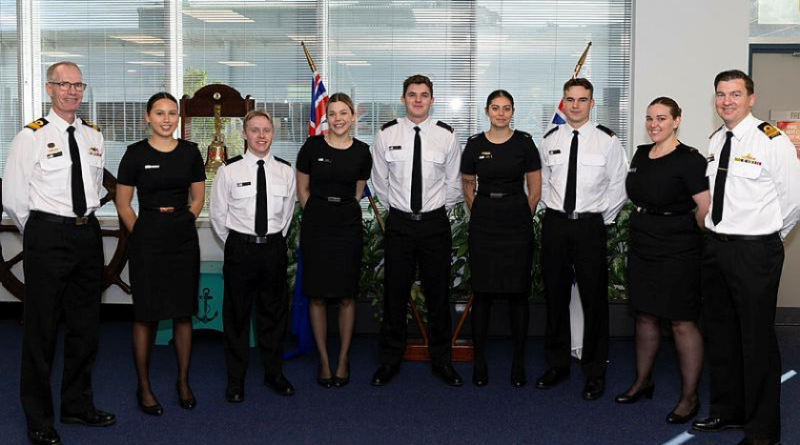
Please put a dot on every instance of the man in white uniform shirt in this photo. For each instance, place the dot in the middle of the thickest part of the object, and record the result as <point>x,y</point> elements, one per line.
<point>51,189</point>
<point>252,202</point>
<point>754,178</point>
<point>583,187</point>
<point>415,173</point>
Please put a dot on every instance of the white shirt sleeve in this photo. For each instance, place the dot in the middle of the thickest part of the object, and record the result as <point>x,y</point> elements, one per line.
<point>21,160</point>
<point>218,204</point>
<point>617,166</point>
<point>453,190</point>
<point>289,203</point>
<point>380,170</point>
<point>542,147</point>
<point>785,172</point>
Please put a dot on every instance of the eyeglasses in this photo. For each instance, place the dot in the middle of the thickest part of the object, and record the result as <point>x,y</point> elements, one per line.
<point>65,86</point>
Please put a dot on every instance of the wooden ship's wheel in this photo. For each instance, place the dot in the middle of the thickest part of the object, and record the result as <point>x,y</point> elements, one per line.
<point>111,271</point>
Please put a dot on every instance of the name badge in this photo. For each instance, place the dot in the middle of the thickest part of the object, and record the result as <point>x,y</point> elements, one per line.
<point>327,161</point>
<point>55,155</point>
<point>395,147</point>
<point>485,155</point>
<point>554,152</point>
<point>151,167</point>
<point>710,159</point>
<point>632,170</point>
<point>243,184</point>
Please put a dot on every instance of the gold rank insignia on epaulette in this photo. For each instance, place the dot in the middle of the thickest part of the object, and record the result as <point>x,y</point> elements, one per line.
<point>37,124</point>
<point>769,130</point>
<point>90,124</point>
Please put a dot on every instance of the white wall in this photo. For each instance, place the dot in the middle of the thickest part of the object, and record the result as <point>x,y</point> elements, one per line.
<point>679,46</point>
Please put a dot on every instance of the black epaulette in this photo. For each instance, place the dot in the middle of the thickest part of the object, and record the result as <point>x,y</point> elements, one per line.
<point>37,124</point>
<point>90,125</point>
<point>715,132</point>
<point>389,124</point>
<point>445,126</point>
<point>552,130</point>
<point>283,161</point>
<point>233,159</point>
<point>606,130</point>
<point>687,148</point>
<point>474,136</point>
<point>524,134</point>
<point>769,130</point>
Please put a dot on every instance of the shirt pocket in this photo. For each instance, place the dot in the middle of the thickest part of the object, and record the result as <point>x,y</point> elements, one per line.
<point>436,160</point>
<point>243,192</point>
<point>745,170</point>
<point>279,190</point>
<point>56,173</point>
<point>554,159</point>
<point>711,169</point>
<point>398,155</point>
<point>593,160</point>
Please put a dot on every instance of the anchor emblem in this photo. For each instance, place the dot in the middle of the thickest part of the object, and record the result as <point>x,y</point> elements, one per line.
<point>205,297</point>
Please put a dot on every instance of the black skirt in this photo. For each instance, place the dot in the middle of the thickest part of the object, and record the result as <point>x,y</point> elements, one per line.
<point>664,266</point>
<point>331,243</point>
<point>164,265</point>
<point>501,244</point>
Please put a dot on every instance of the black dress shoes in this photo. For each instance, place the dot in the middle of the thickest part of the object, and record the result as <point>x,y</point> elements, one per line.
<point>92,417</point>
<point>234,394</point>
<point>715,424</point>
<point>644,391</point>
<point>518,378</point>
<point>150,410</point>
<point>279,384</point>
<point>448,375</point>
<point>594,388</point>
<point>44,436</point>
<point>552,377</point>
<point>189,403</point>
<point>384,374</point>
<point>480,373</point>
<point>677,419</point>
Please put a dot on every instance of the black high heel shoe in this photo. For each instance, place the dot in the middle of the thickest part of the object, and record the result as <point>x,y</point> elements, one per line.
<point>518,379</point>
<point>646,391</point>
<point>342,381</point>
<point>189,403</point>
<point>480,373</point>
<point>152,410</point>
<point>677,419</point>
<point>324,382</point>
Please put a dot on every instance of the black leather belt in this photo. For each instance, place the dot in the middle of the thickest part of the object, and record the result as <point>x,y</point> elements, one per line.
<point>725,237</point>
<point>252,239</point>
<point>336,199</point>
<point>656,212</point>
<point>163,209</point>
<point>498,195</point>
<point>573,215</point>
<point>420,216</point>
<point>69,220</point>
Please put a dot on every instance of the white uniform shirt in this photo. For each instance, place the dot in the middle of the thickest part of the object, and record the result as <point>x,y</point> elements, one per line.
<point>393,161</point>
<point>602,168</point>
<point>762,190</point>
<point>38,173</point>
<point>233,196</point>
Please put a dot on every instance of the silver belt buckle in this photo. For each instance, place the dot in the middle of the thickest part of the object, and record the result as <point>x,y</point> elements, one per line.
<point>572,215</point>
<point>260,239</point>
<point>334,199</point>
<point>81,220</point>
<point>416,217</point>
<point>495,195</point>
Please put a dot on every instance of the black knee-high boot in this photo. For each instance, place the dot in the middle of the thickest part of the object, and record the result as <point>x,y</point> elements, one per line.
<point>481,314</point>
<point>519,314</point>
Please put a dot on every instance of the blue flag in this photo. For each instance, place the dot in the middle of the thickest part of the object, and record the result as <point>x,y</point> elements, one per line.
<point>301,326</point>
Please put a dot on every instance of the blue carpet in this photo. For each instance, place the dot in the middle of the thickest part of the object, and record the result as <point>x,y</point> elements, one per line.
<point>415,408</point>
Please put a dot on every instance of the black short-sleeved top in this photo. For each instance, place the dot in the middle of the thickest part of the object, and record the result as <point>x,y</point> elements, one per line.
<point>161,179</point>
<point>501,168</point>
<point>666,184</point>
<point>331,171</point>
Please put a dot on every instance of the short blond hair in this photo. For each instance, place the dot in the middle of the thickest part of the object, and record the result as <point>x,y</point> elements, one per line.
<point>252,114</point>
<point>51,70</point>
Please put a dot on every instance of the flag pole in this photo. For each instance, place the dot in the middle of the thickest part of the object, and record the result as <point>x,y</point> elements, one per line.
<point>372,203</point>
<point>580,63</point>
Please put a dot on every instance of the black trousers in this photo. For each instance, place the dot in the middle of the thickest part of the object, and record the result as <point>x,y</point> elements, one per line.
<point>255,274</point>
<point>63,266</point>
<point>575,249</point>
<point>740,290</point>
<point>408,244</point>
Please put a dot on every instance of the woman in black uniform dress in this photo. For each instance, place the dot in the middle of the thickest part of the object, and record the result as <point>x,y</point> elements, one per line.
<point>497,163</point>
<point>164,250</point>
<point>332,171</point>
<point>666,181</point>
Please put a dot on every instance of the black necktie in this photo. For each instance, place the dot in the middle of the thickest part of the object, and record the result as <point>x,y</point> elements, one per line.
<point>78,192</point>
<point>572,175</point>
<point>261,200</point>
<point>719,182</point>
<point>416,174</point>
